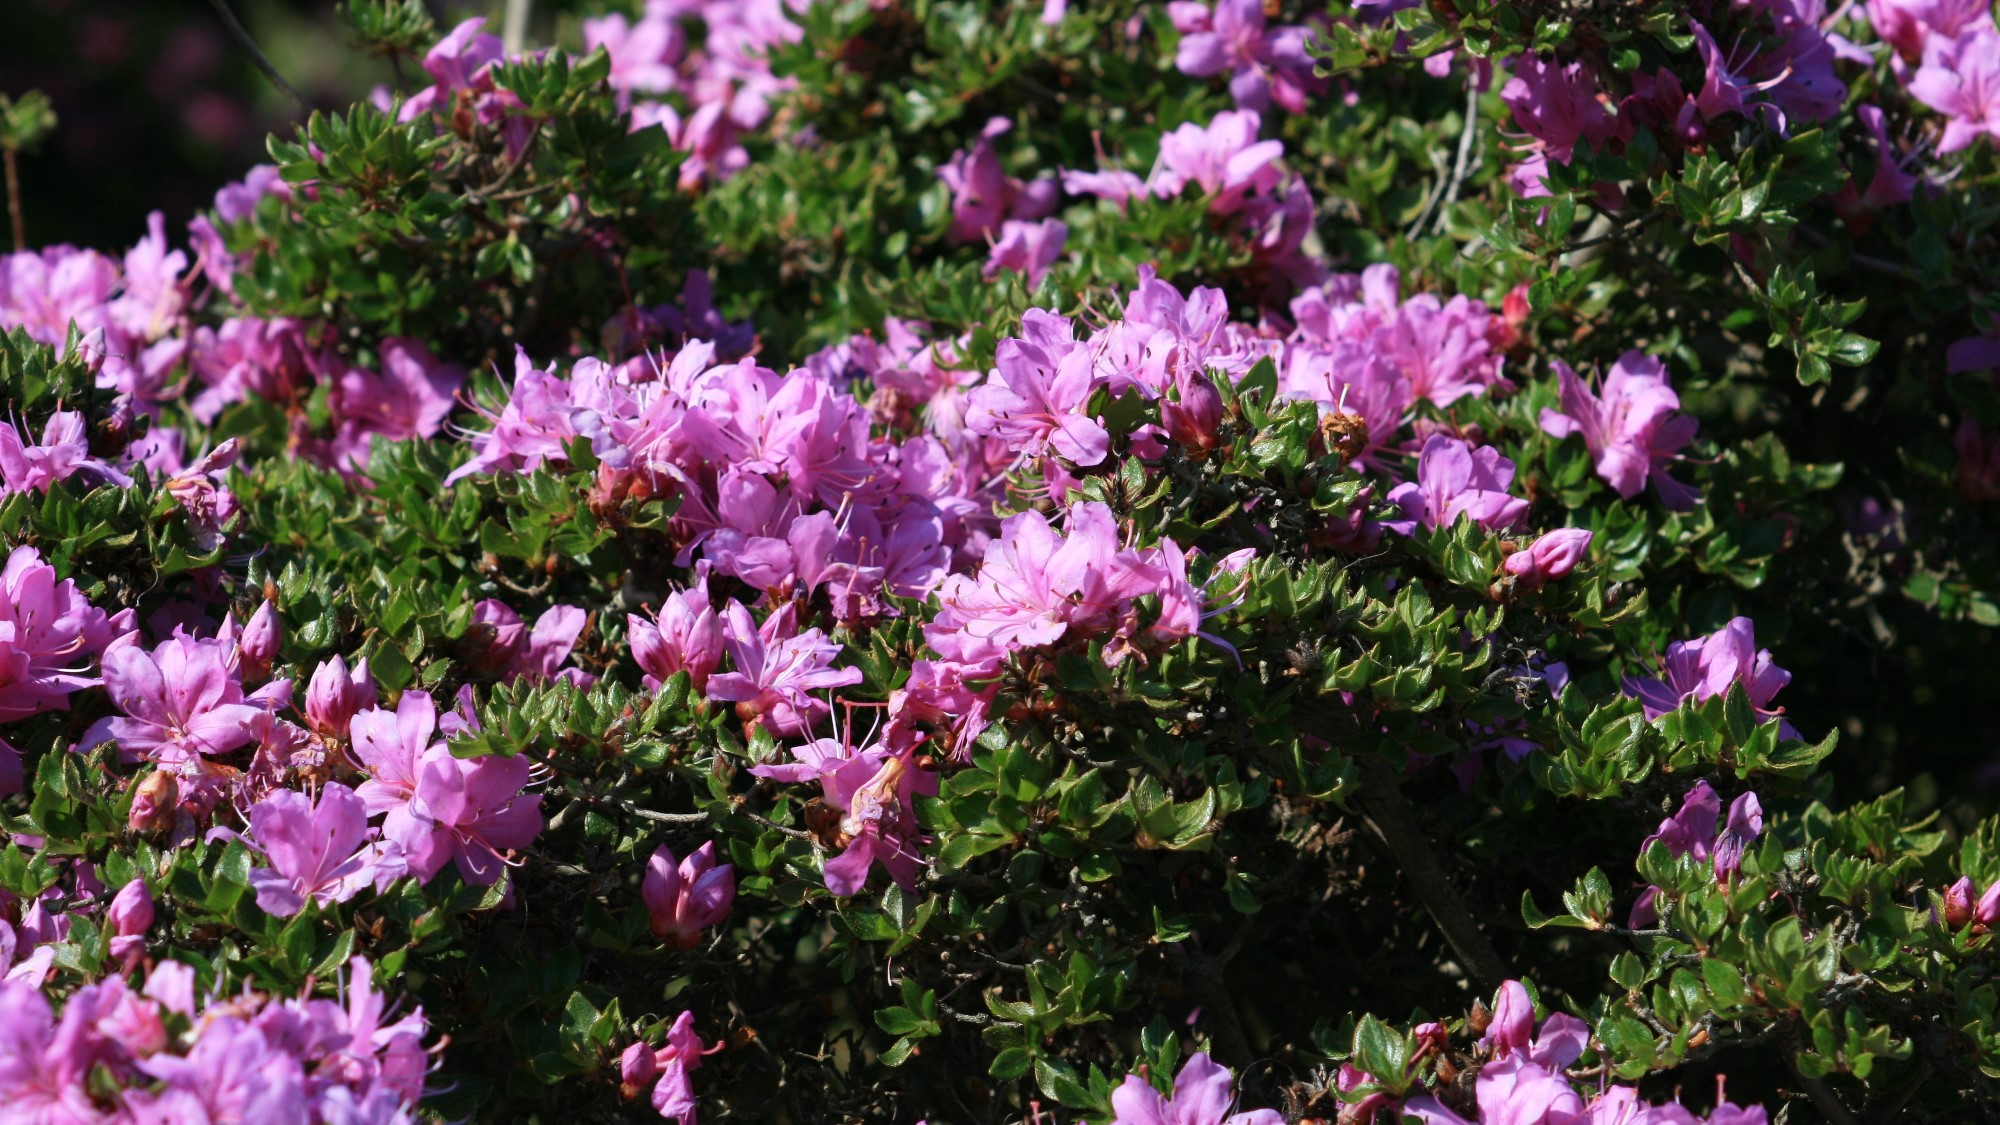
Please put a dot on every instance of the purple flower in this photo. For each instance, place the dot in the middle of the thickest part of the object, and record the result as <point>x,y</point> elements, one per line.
<point>1631,427</point>
<point>63,452</point>
<point>1910,25</point>
<point>1263,65</point>
<point>1201,1097</point>
<point>1027,248</point>
<point>514,652</point>
<point>643,54</point>
<point>48,632</point>
<point>1524,1083</point>
<point>1225,160</point>
<point>685,897</point>
<point>687,636</point>
<point>467,811</point>
<point>1550,557</point>
<point>1705,667</point>
<point>179,702</point>
<point>983,195</point>
<point>316,850</point>
<point>667,1068</point>
<point>409,399</point>
<point>1960,78</point>
<point>777,670</point>
<point>1038,401</point>
<point>391,746</point>
<point>1456,480</point>
<point>1691,831</point>
<point>875,792</point>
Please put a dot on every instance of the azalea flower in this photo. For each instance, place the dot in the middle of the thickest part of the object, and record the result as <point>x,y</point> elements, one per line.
<point>1632,426</point>
<point>316,850</point>
<point>1201,1097</point>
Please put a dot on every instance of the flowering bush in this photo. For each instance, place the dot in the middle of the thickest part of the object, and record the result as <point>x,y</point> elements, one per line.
<point>1157,564</point>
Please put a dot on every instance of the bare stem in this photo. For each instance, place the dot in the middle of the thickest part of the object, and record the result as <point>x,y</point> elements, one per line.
<point>257,55</point>
<point>14,200</point>
<point>1388,814</point>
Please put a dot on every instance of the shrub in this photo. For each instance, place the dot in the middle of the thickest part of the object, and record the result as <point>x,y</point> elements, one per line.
<point>1000,562</point>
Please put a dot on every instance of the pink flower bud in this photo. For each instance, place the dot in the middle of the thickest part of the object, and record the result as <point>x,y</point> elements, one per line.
<point>1513,1026</point>
<point>334,697</point>
<point>1552,556</point>
<point>637,1067</point>
<point>129,916</point>
<point>1987,911</point>
<point>257,648</point>
<point>1958,908</point>
<point>156,804</point>
<point>687,898</point>
<point>1193,420</point>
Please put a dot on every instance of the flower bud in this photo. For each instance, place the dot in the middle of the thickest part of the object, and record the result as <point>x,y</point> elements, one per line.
<point>1958,908</point>
<point>1987,911</point>
<point>1513,1026</point>
<point>637,1068</point>
<point>129,916</point>
<point>1192,421</point>
<point>1552,556</point>
<point>686,898</point>
<point>334,697</point>
<point>257,648</point>
<point>157,803</point>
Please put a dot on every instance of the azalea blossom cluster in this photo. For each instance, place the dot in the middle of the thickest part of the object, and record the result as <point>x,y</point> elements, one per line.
<point>1523,1079</point>
<point>1699,830</point>
<point>162,1052</point>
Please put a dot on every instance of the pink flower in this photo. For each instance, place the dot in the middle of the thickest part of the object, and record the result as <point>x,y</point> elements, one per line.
<point>687,636</point>
<point>409,399</point>
<point>777,670</point>
<point>643,54</point>
<point>1201,1097</point>
<point>180,701</point>
<point>63,452</point>
<point>514,652</point>
<point>1691,831</point>
<point>1632,427</point>
<point>1456,480</point>
<point>48,632</point>
<point>316,850</point>
<point>1909,25</point>
<point>467,811</point>
<point>1550,557</point>
<point>258,645</point>
<point>1960,78</point>
<point>1263,65</point>
<point>687,896</point>
<point>875,793</point>
<point>1706,667</point>
<point>667,1068</point>
<point>983,195</point>
<point>1225,160</point>
<point>1038,401</point>
<point>391,746</point>
<point>1027,248</point>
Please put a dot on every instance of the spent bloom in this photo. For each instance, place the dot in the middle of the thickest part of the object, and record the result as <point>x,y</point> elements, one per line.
<point>1201,1097</point>
<point>1632,425</point>
<point>685,897</point>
